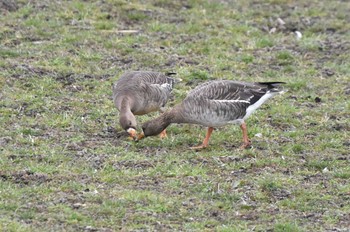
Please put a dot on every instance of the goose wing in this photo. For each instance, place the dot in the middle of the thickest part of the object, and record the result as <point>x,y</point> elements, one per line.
<point>149,91</point>
<point>135,80</point>
<point>219,102</point>
<point>234,91</point>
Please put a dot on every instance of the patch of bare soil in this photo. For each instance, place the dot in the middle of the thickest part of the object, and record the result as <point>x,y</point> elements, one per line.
<point>25,177</point>
<point>8,5</point>
<point>39,158</point>
<point>5,140</point>
<point>132,164</point>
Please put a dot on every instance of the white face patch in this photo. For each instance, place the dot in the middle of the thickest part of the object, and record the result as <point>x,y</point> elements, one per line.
<point>131,130</point>
<point>232,101</point>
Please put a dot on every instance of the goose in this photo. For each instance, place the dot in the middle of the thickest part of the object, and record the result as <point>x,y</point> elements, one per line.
<point>215,104</point>
<point>139,93</point>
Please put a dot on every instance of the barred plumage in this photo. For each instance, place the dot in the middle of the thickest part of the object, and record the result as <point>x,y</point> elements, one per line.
<point>138,93</point>
<point>217,103</point>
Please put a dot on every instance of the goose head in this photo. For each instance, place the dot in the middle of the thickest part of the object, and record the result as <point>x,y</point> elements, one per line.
<point>152,128</point>
<point>128,123</point>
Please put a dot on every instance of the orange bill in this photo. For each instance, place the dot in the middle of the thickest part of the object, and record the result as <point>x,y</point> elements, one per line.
<point>140,136</point>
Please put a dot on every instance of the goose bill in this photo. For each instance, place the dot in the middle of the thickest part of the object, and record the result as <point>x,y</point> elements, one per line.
<point>140,136</point>
<point>132,133</point>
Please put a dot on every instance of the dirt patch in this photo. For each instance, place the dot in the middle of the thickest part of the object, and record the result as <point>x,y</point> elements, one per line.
<point>24,71</point>
<point>130,164</point>
<point>5,140</point>
<point>38,158</point>
<point>25,177</point>
<point>8,5</point>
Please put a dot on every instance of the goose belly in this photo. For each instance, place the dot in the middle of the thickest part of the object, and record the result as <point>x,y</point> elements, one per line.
<point>212,119</point>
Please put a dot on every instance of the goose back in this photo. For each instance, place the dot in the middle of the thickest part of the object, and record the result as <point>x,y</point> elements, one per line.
<point>147,91</point>
<point>216,103</point>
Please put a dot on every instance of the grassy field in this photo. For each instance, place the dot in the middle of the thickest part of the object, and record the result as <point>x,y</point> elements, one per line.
<point>66,164</point>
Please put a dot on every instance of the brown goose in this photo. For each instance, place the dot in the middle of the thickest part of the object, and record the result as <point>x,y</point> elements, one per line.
<point>214,104</point>
<point>138,93</point>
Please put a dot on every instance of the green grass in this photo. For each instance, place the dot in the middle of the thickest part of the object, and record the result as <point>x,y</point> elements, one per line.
<point>65,165</point>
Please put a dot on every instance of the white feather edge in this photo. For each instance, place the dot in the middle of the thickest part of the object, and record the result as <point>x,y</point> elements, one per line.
<point>231,101</point>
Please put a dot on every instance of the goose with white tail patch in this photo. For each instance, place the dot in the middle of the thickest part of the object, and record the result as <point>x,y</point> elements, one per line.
<point>214,104</point>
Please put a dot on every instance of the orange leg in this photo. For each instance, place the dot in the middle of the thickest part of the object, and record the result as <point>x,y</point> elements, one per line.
<point>205,141</point>
<point>162,134</point>
<point>246,141</point>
